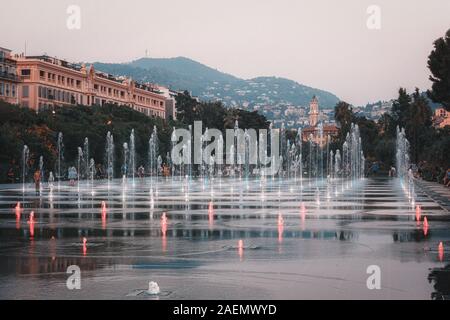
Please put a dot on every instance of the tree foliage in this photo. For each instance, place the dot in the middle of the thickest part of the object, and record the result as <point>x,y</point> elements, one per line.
<point>439,65</point>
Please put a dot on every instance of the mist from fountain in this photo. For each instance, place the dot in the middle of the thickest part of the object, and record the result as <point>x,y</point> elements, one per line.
<point>86,163</point>
<point>60,154</point>
<point>132,156</point>
<point>25,165</point>
<point>109,155</point>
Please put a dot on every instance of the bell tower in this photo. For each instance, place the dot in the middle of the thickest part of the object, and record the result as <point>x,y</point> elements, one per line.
<point>313,112</point>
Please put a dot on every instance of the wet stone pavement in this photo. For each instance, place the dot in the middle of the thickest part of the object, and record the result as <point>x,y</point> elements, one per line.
<point>229,239</point>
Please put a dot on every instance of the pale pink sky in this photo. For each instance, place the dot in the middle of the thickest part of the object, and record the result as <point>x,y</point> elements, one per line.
<point>320,43</point>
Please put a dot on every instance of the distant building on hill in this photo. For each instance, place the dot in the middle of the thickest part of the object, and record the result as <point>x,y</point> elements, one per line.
<point>315,122</point>
<point>441,118</point>
<point>9,81</point>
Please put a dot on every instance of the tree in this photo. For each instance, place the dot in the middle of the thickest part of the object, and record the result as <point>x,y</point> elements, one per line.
<point>187,107</point>
<point>387,125</point>
<point>439,65</point>
<point>344,117</point>
<point>400,108</point>
<point>418,125</point>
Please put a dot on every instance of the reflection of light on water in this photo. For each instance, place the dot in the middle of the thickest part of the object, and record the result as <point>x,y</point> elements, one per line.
<point>164,222</point>
<point>425,223</point>
<point>103,210</point>
<point>280,228</point>
<point>425,230</point>
<point>418,213</point>
<point>441,251</point>
<point>84,246</point>
<point>18,211</point>
<point>211,214</point>
<point>303,215</point>
<point>241,249</point>
<point>31,224</point>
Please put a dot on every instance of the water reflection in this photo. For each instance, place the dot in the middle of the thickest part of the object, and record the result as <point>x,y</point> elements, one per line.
<point>440,277</point>
<point>131,226</point>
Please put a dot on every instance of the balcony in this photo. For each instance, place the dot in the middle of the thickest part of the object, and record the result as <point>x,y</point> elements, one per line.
<point>9,76</point>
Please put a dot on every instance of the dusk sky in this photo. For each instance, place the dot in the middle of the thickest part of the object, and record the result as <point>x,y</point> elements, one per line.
<point>322,43</point>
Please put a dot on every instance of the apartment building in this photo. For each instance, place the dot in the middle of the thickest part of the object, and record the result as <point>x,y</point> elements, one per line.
<point>47,82</point>
<point>9,82</point>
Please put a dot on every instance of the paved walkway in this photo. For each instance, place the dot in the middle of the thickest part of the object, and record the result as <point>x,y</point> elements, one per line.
<point>436,191</point>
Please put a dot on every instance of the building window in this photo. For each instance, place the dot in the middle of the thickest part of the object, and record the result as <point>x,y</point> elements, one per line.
<point>13,90</point>
<point>25,92</point>
<point>7,89</point>
<point>2,89</point>
<point>26,72</point>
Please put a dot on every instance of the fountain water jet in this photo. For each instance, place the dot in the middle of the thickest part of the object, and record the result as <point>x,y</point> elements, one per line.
<point>109,152</point>
<point>25,160</point>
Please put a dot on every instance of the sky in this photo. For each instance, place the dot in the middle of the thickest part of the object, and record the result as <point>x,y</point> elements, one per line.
<point>325,44</point>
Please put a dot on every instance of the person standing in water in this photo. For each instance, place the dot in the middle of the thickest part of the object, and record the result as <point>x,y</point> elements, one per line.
<point>37,181</point>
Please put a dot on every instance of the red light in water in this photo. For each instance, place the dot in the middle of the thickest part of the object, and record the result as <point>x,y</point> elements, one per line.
<point>31,218</point>
<point>164,231</point>
<point>241,249</point>
<point>164,224</point>
<point>103,210</point>
<point>441,251</point>
<point>31,223</point>
<point>418,213</point>
<point>32,229</point>
<point>425,223</point>
<point>303,214</point>
<point>84,246</point>
<point>18,211</point>
<point>280,228</point>
<point>211,214</point>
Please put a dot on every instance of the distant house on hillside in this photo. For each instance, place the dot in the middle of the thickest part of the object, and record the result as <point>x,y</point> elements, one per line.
<point>315,123</point>
<point>441,118</point>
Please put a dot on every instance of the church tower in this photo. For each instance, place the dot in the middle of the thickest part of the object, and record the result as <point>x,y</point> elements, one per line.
<point>313,112</point>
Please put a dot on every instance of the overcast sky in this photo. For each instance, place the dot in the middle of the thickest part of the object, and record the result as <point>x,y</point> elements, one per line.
<point>321,43</point>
